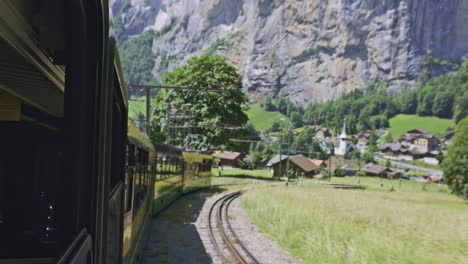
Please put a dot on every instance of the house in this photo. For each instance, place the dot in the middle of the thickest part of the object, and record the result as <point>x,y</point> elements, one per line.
<point>372,169</point>
<point>448,137</point>
<point>320,132</point>
<point>228,158</point>
<point>394,174</point>
<point>394,151</point>
<point>435,178</point>
<point>349,170</point>
<point>363,137</point>
<point>299,166</point>
<point>323,164</point>
<point>420,140</point>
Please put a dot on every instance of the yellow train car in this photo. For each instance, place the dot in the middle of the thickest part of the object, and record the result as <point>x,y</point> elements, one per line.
<point>197,171</point>
<point>139,189</point>
<point>169,171</point>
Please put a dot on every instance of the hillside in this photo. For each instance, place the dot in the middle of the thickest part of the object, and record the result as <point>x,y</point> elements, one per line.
<point>261,119</point>
<point>400,124</point>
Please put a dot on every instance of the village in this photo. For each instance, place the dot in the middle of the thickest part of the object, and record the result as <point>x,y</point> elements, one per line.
<point>415,155</point>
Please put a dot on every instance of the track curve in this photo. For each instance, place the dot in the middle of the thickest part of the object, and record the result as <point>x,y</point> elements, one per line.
<point>226,239</point>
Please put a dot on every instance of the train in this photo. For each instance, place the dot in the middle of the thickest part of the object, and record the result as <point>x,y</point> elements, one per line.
<point>156,175</point>
<point>79,183</point>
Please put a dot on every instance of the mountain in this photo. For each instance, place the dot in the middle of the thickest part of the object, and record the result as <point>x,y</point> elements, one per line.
<point>306,50</point>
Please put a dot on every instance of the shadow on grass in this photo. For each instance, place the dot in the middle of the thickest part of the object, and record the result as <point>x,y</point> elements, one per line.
<point>243,176</point>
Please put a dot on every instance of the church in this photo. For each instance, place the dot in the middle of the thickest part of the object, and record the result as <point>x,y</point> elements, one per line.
<point>345,144</point>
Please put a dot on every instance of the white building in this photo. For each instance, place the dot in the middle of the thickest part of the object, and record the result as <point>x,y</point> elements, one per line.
<point>345,145</point>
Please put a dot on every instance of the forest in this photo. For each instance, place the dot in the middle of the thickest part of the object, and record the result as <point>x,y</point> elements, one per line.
<point>444,96</point>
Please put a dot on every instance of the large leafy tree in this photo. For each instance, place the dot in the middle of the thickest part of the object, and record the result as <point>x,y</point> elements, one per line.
<point>214,102</point>
<point>455,165</point>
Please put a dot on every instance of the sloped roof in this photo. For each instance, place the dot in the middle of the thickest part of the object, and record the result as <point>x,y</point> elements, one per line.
<point>227,155</point>
<point>276,159</point>
<point>374,169</point>
<point>391,146</point>
<point>304,163</point>
<point>317,162</point>
<point>449,134</point>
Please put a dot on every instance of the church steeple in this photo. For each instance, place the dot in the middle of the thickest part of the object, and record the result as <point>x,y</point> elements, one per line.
<point>343,133</point>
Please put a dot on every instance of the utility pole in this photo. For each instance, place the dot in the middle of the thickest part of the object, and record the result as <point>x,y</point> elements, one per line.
<point>280,156</point>
<point>289,147</point>
<point>148,106</point>
<point>168,127</point>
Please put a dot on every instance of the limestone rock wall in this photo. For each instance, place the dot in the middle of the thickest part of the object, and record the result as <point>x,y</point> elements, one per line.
<point>307,50</point>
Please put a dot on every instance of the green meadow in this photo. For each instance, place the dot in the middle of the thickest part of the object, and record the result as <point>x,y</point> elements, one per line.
<point>261,119</point>
<point>413,223</point>
<point>400,124</point>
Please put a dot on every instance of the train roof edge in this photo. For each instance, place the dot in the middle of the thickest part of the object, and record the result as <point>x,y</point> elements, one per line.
<point>137,137</point>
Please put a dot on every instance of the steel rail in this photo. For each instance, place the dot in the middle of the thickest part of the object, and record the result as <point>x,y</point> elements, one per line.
<point>220,204</point>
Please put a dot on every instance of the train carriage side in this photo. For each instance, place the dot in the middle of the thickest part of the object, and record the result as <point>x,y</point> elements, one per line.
<point>197,173</point>
<point>63,115</point>
<point>169,172</point>
<point>139,189</point>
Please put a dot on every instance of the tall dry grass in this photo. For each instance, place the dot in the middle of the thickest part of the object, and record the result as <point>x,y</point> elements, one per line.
<point>324,225</point>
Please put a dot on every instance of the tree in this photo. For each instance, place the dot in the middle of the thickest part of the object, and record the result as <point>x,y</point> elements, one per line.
<point>296,119</point>
<point>276,126</point>
<point>425,104</point>
<point>372,139</point>
<point>443,105</point>
<point>388,164</point>
<point>388,138</point>
<point>378,121</point>
<point>408,102</point>
<point>368,155</point>
<point>461,107</point>
<point>268,104</point>
<point>455,165</point>
<point>215,100</point>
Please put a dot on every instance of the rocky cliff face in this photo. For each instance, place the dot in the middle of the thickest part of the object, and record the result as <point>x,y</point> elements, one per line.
<point>307,50</point>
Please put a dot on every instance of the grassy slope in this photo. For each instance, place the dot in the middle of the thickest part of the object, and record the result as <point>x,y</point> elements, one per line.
<point>324,225</point>
<point>136,105</point>
<point>261,119</point>
<point>239,173</point>
<point>400,124</point>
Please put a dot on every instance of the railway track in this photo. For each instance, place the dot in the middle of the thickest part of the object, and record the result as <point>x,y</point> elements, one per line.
<point>223,236</point>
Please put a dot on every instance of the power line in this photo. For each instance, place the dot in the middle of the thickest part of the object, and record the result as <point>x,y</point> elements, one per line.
<point>217,89</point>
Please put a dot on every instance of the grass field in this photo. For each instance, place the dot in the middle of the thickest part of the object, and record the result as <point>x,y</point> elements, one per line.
<point>137,106</point>
<point>239,173</point>
<point>400,124</point>
<point>323,225</point>
<point>261,119</point>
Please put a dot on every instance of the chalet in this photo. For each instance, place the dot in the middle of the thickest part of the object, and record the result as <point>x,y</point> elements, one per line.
<point>363,137</point>
<point>299,165</point>
<point>324,164</point>
<point>372,169</point>
<point>435,178</point>
<point>419,139</point>
<point>448,137</point>
<point>320,132</point>
<point>395,151</point>
<point>228,158</point>
<point>394,174</point>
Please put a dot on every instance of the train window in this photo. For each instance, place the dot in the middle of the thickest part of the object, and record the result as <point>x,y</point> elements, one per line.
<point>131,155</point>
<point>128,190</point>
<point>30,168</point>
